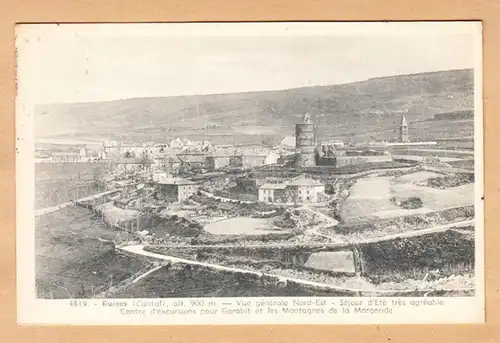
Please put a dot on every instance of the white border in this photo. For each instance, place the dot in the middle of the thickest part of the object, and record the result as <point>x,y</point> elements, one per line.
<point>36,311</point>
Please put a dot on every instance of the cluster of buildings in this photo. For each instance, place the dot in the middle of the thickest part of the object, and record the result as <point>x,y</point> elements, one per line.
<point>301,189</point>
<point>73,155</point>
<point>310,153</point>
<point>182,153</point>
<point>112,148</point>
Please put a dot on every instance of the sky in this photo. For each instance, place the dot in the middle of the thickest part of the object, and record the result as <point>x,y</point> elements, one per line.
<point>85,63</point>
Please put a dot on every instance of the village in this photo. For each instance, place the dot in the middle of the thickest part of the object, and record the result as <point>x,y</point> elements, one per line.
<point>308,209</point>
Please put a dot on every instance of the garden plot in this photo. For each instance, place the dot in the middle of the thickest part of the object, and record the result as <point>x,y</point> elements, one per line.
<point>436,199</point>
<point>372,197</point>
<point>366,197</point>
<point>332,261</point>
<point>241,226</point>
<point>416,177</point>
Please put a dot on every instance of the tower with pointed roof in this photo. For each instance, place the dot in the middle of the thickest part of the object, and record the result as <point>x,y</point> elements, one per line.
<point>403,130</point>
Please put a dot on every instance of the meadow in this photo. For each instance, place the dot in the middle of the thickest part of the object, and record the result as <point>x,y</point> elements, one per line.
<point>56,183</point>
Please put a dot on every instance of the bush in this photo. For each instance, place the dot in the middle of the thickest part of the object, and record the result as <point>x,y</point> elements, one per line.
<point>449,181</point>
<point>410,203</point>
<point>175,226</point>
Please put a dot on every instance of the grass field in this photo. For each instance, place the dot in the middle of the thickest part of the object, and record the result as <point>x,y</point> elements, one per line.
<point>182,280</point>
<point>56,183</point>
<point>442,255</point>
<point>371,197</point>
<point>240,226</point>
<point>75,255</point>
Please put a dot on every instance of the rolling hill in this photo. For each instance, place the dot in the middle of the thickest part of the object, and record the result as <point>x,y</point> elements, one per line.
<point>357,111</point>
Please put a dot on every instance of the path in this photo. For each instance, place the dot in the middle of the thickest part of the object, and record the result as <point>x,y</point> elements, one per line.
<point>339,245</point>
<point>139,250</point>
<point>328,222</point>
<point>47,210</point>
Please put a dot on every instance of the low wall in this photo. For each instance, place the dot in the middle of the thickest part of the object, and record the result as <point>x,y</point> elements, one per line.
<point>348,160</point>
<point>395,260</point>
<point>258,282</point>
<point>223,199</point>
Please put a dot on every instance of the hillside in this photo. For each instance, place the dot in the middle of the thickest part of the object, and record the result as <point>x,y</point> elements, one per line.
<point>350,111</point>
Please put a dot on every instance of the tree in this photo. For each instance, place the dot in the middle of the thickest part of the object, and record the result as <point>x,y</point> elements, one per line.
<point>145,161</point>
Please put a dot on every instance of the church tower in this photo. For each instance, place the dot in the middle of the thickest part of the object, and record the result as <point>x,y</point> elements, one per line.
<point>403,133</point>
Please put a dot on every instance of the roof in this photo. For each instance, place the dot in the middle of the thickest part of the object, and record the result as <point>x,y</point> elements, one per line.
<point>221,155</point>
<point>302,180</point>
<point>176,181</point>
<point>273,186</point>
<point>403,121</point>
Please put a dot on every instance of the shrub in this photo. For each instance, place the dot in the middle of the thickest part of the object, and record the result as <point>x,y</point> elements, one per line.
<point>410,203</point>
<point>449,181</point>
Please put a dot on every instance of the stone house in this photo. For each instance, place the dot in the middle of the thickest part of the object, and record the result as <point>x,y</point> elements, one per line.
<point>176,189</point>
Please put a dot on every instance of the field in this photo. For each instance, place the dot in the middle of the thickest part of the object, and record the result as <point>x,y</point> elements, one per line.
<point>57,183</point>
<point>440,255</point>
<point>442,261</point>
<point>75,255</point>
<point>240,226</point>
<point>376,197</point>
<point>183,280</point>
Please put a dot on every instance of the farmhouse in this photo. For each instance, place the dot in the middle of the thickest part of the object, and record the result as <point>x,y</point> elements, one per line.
<point>273,192</point>
<point>299,190</point>
<point>305,189</point>
<point>176,189</point>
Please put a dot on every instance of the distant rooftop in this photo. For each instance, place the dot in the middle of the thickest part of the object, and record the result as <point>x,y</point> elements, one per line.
<point>303,180</point>
<point>273,186</point>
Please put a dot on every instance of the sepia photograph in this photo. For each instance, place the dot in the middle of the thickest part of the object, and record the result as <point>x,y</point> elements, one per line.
<point>260,161</point>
